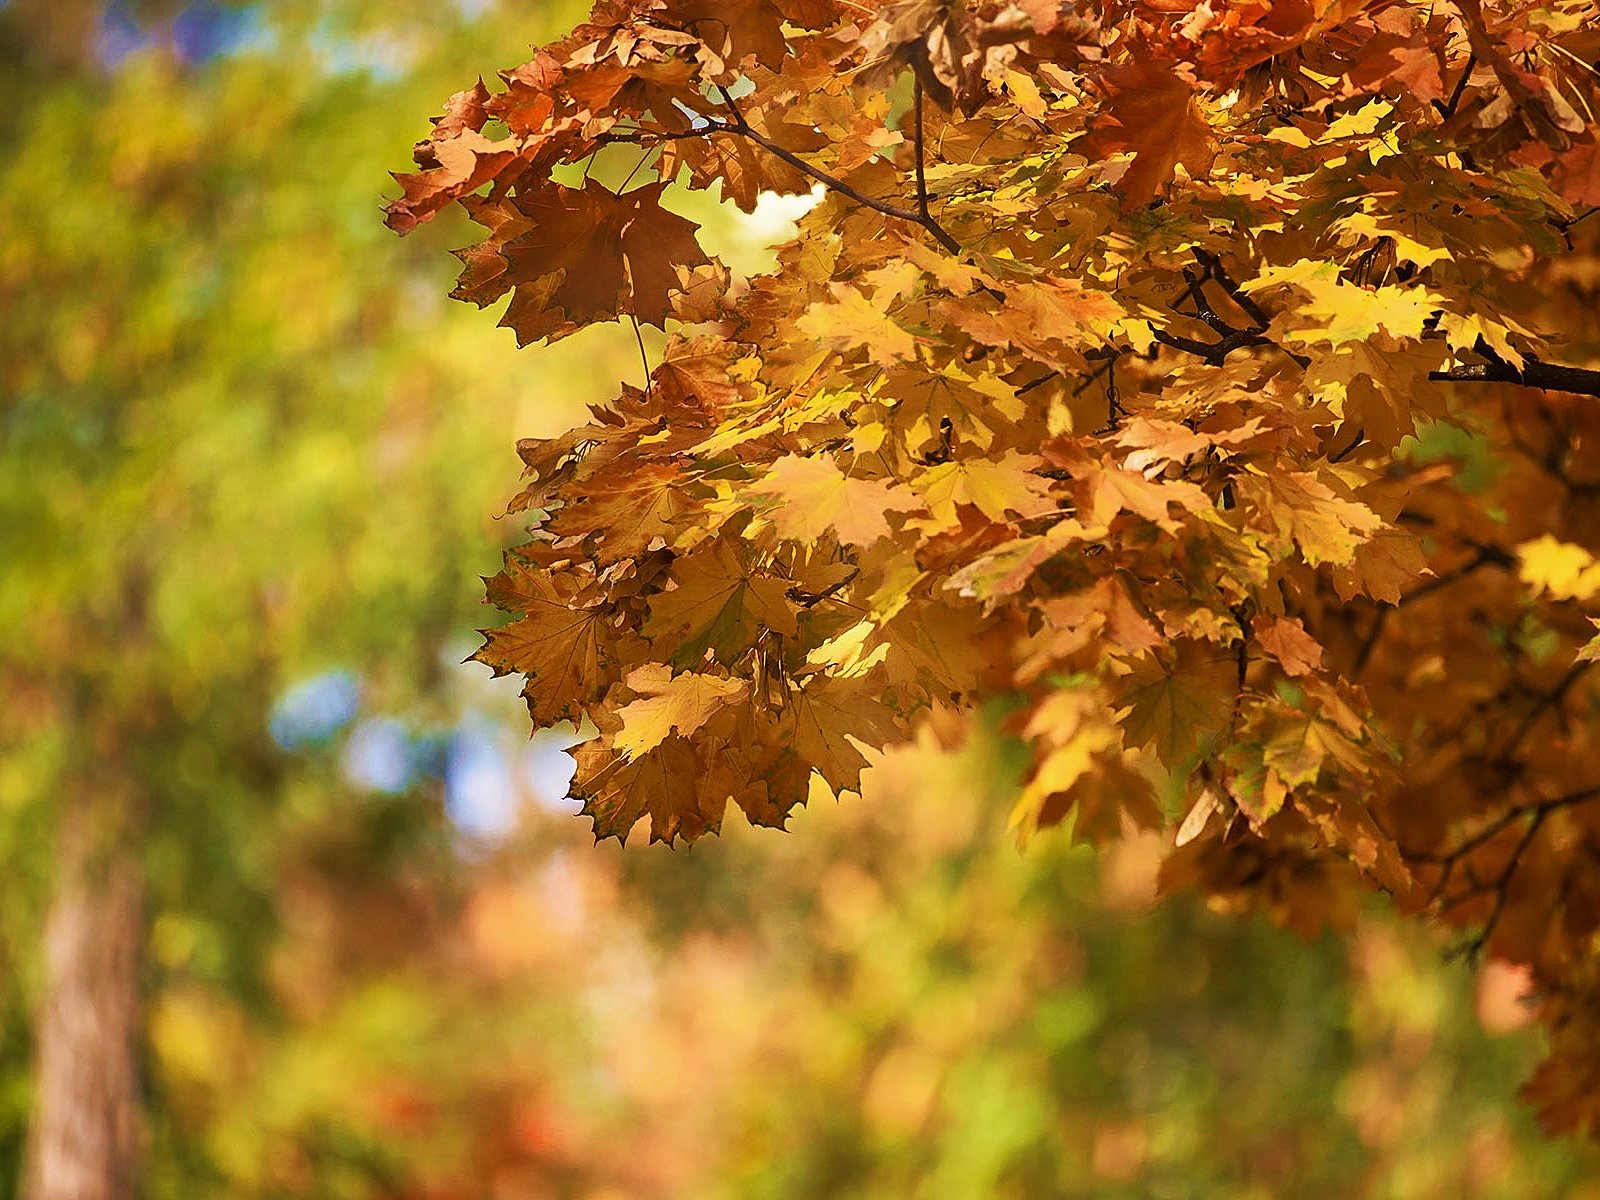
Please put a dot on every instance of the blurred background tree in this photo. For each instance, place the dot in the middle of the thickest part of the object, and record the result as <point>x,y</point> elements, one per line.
<point>235,448</point>
<point>284,911</point>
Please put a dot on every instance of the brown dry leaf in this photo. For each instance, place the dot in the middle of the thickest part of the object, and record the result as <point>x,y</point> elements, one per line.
<point>562,646</point>
<point>721,601</point>
<point>669,785</point>
<point>591,255</point>
<point>1174,706</point>
<point>458,165</point>
<point>1153,112</point>
<point>627,513</point>
<point>1286,639</point>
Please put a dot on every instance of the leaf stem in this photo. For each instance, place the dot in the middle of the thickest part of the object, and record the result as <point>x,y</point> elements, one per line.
<point>638,336</point>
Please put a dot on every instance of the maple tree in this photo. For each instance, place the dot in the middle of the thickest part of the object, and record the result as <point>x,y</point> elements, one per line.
<point>1207,384</point>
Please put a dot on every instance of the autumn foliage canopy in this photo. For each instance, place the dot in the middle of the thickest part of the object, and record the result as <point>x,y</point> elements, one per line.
<point>1205,392</point>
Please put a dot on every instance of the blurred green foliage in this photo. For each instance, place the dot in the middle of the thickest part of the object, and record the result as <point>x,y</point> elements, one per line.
<point>243,439</point>
<point>237,443</point>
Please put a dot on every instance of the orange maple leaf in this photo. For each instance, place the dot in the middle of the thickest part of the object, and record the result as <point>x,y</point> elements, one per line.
<point>1153,113</point>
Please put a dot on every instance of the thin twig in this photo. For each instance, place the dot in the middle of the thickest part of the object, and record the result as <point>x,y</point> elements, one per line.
<point>1546,701</point>
<point>643,158</point>
<point>1502,887</point>
<point>1439,582</point>
<point>1360,436</point>
<point>1039,382</point>
<point>1238,295</point>
<point>644,358</point>
<point>1215,352</point>
<point>1448,110</point>
<point>744,129</point>
<point>1370,642</point>
<point>1533,373</point>
<point>916,134</point>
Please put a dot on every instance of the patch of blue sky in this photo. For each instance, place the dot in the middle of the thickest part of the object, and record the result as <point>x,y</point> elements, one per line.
<point>547,766</point>
<point>205,30</point>
<point>481,795</point>
<point>379,756</point>
<point>383,56</point>
<point>197,33</point>
<point>120,35</point>
<point>314,710</point>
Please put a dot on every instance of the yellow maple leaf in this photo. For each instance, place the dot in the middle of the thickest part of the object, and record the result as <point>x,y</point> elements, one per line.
<point>1286,639</point>
<point>852,322</point>
<point>671,703</point>
<point>812,496</point>
<point>721,600</point>
<point>1074,723</point>
<point>1304,509</point>
<point>1561,569</point>
<point>1591,650</point>
<point>847,654</point>
<point>994,488</point>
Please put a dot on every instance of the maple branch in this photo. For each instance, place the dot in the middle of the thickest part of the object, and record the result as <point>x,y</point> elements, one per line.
<point>1370,642</point>
<point>1361,272</point>
<point>745,130</point>
<point>1195,293</point>
<point>639,136</point>
<point>1533,373</point>
<point>1448,110</point>
<point>1039,382</point>
<point>808,599</point>
<point>1213,266</point>
<point>1468,845</point>
<point>1546,701</point>
<point>1230,337</point>
<point>1114,410</point>
<point>1502,888</point>
<point>1485,555</point>
<point>1501,884</point>
<point>1458,855</point>
<point>1214,352</point>
<point>1241,665</point>
<point>1361,435</point>
<point>916,135</point>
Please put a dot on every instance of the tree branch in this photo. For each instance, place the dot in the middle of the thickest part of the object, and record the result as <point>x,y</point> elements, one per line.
<point>1214,268</point>
<point>920,217</point>
<point>738,128</point>
<point>1215,352</point>
<point>1447,109</point>
<point>1533,373</point>
<point>916,136</point>
<point>1500,885</point>
<point>924,216</point>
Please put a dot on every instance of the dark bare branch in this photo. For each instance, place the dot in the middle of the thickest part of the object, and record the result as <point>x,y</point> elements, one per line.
<point>1533,373</point>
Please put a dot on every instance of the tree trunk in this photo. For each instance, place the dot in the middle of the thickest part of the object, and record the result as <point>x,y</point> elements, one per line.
<point>84,1138</point>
